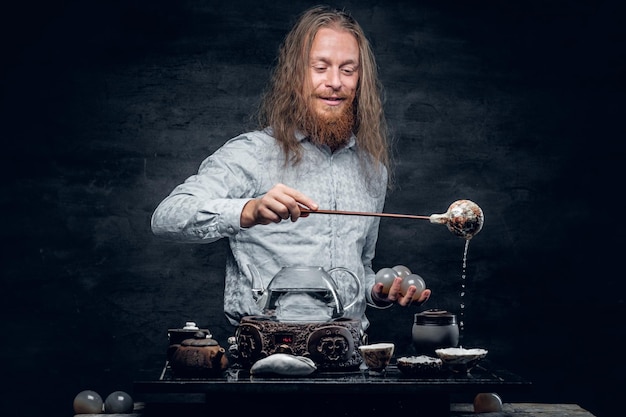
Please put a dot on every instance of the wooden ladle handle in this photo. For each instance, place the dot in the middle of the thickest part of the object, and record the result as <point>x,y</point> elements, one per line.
<point>364,213</point>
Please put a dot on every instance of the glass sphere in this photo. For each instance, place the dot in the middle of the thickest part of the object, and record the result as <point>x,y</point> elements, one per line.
<point>118,402</point>
<point>413,279</point>
<point>487,402</point>
<point>88,402</point>
<point>386,276</point>
<point>402,270</point>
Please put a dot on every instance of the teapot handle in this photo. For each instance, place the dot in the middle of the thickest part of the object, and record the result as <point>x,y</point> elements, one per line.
<point>258,288</point>
<point>356,279</point>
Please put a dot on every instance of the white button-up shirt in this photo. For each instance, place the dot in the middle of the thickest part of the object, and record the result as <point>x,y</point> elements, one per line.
<point>208,205</point>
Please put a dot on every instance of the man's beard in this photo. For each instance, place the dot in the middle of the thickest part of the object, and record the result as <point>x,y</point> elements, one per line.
<point>333,131</point>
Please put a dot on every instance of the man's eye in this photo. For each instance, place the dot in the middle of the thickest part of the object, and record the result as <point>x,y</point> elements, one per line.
<point>348,71</point>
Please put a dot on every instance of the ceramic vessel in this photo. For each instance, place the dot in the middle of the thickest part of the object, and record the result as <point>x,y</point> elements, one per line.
<point>464,218</point>
<point>434,329</point>
<point>459,359</point>
<point>303,294</point>
<point>199,356</point>
<point>377,356</point>
<point>419,365</point>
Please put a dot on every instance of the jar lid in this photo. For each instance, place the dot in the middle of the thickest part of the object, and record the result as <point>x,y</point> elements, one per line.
<point>435,318</point>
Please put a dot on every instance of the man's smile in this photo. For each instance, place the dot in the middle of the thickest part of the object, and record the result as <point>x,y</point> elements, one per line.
<point>332,101</point>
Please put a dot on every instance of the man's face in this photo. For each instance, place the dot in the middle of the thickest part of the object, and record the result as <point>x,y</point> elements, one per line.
<point>333,74</point>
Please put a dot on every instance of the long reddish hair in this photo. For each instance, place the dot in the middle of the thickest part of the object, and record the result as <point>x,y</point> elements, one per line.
<point>284,106</point>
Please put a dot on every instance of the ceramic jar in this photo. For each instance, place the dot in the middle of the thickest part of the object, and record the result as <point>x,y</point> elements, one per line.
<point>434,329</point>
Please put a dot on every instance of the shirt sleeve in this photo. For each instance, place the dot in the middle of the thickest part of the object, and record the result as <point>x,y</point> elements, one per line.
<point>208,205</point>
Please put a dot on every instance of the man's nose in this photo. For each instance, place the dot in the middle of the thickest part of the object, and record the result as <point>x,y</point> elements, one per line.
<point>333,79</point>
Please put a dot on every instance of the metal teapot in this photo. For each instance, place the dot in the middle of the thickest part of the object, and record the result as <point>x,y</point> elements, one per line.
<point>302,294</point>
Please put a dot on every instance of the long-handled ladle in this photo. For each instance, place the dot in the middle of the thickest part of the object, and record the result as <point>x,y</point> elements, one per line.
<point>364,213</point>
<point>464,218</point>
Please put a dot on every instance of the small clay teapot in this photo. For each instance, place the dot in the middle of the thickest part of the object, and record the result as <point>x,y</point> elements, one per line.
<point>199,356</point>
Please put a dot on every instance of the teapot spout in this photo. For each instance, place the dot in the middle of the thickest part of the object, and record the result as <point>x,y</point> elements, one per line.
<point>218,358</point>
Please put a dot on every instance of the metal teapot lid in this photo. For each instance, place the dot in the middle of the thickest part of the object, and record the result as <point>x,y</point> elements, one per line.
<point>435,317</point>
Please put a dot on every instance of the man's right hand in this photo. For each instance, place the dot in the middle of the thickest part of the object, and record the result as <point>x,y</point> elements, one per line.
<point>280,203</point>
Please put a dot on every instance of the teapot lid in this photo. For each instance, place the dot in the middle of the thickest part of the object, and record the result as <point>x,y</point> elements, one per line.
<point>435,317</point>
<point>199,339</point>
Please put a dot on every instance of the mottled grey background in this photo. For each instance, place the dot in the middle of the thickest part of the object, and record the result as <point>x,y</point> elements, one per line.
<point>107,105</point>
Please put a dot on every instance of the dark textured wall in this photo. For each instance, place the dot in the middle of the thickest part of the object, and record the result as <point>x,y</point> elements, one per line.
<point>106,106</point>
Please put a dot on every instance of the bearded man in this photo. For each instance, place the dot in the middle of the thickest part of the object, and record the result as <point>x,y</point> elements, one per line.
<point>322,142</point>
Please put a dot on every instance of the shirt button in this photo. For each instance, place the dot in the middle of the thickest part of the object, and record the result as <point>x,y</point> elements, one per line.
<point>230,229</point>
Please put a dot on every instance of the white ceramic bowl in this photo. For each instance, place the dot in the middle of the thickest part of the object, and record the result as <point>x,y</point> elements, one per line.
<point>459,359</point>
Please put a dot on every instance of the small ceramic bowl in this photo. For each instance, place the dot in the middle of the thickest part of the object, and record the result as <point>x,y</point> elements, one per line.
<point>419,365</point>
<point>460,359</point>
<point>377,356</point>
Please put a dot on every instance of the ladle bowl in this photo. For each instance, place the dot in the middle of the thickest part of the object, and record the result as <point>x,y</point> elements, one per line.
<point>464,219</point>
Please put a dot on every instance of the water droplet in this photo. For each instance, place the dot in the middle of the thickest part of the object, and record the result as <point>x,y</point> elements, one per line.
<point>462,293</point>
